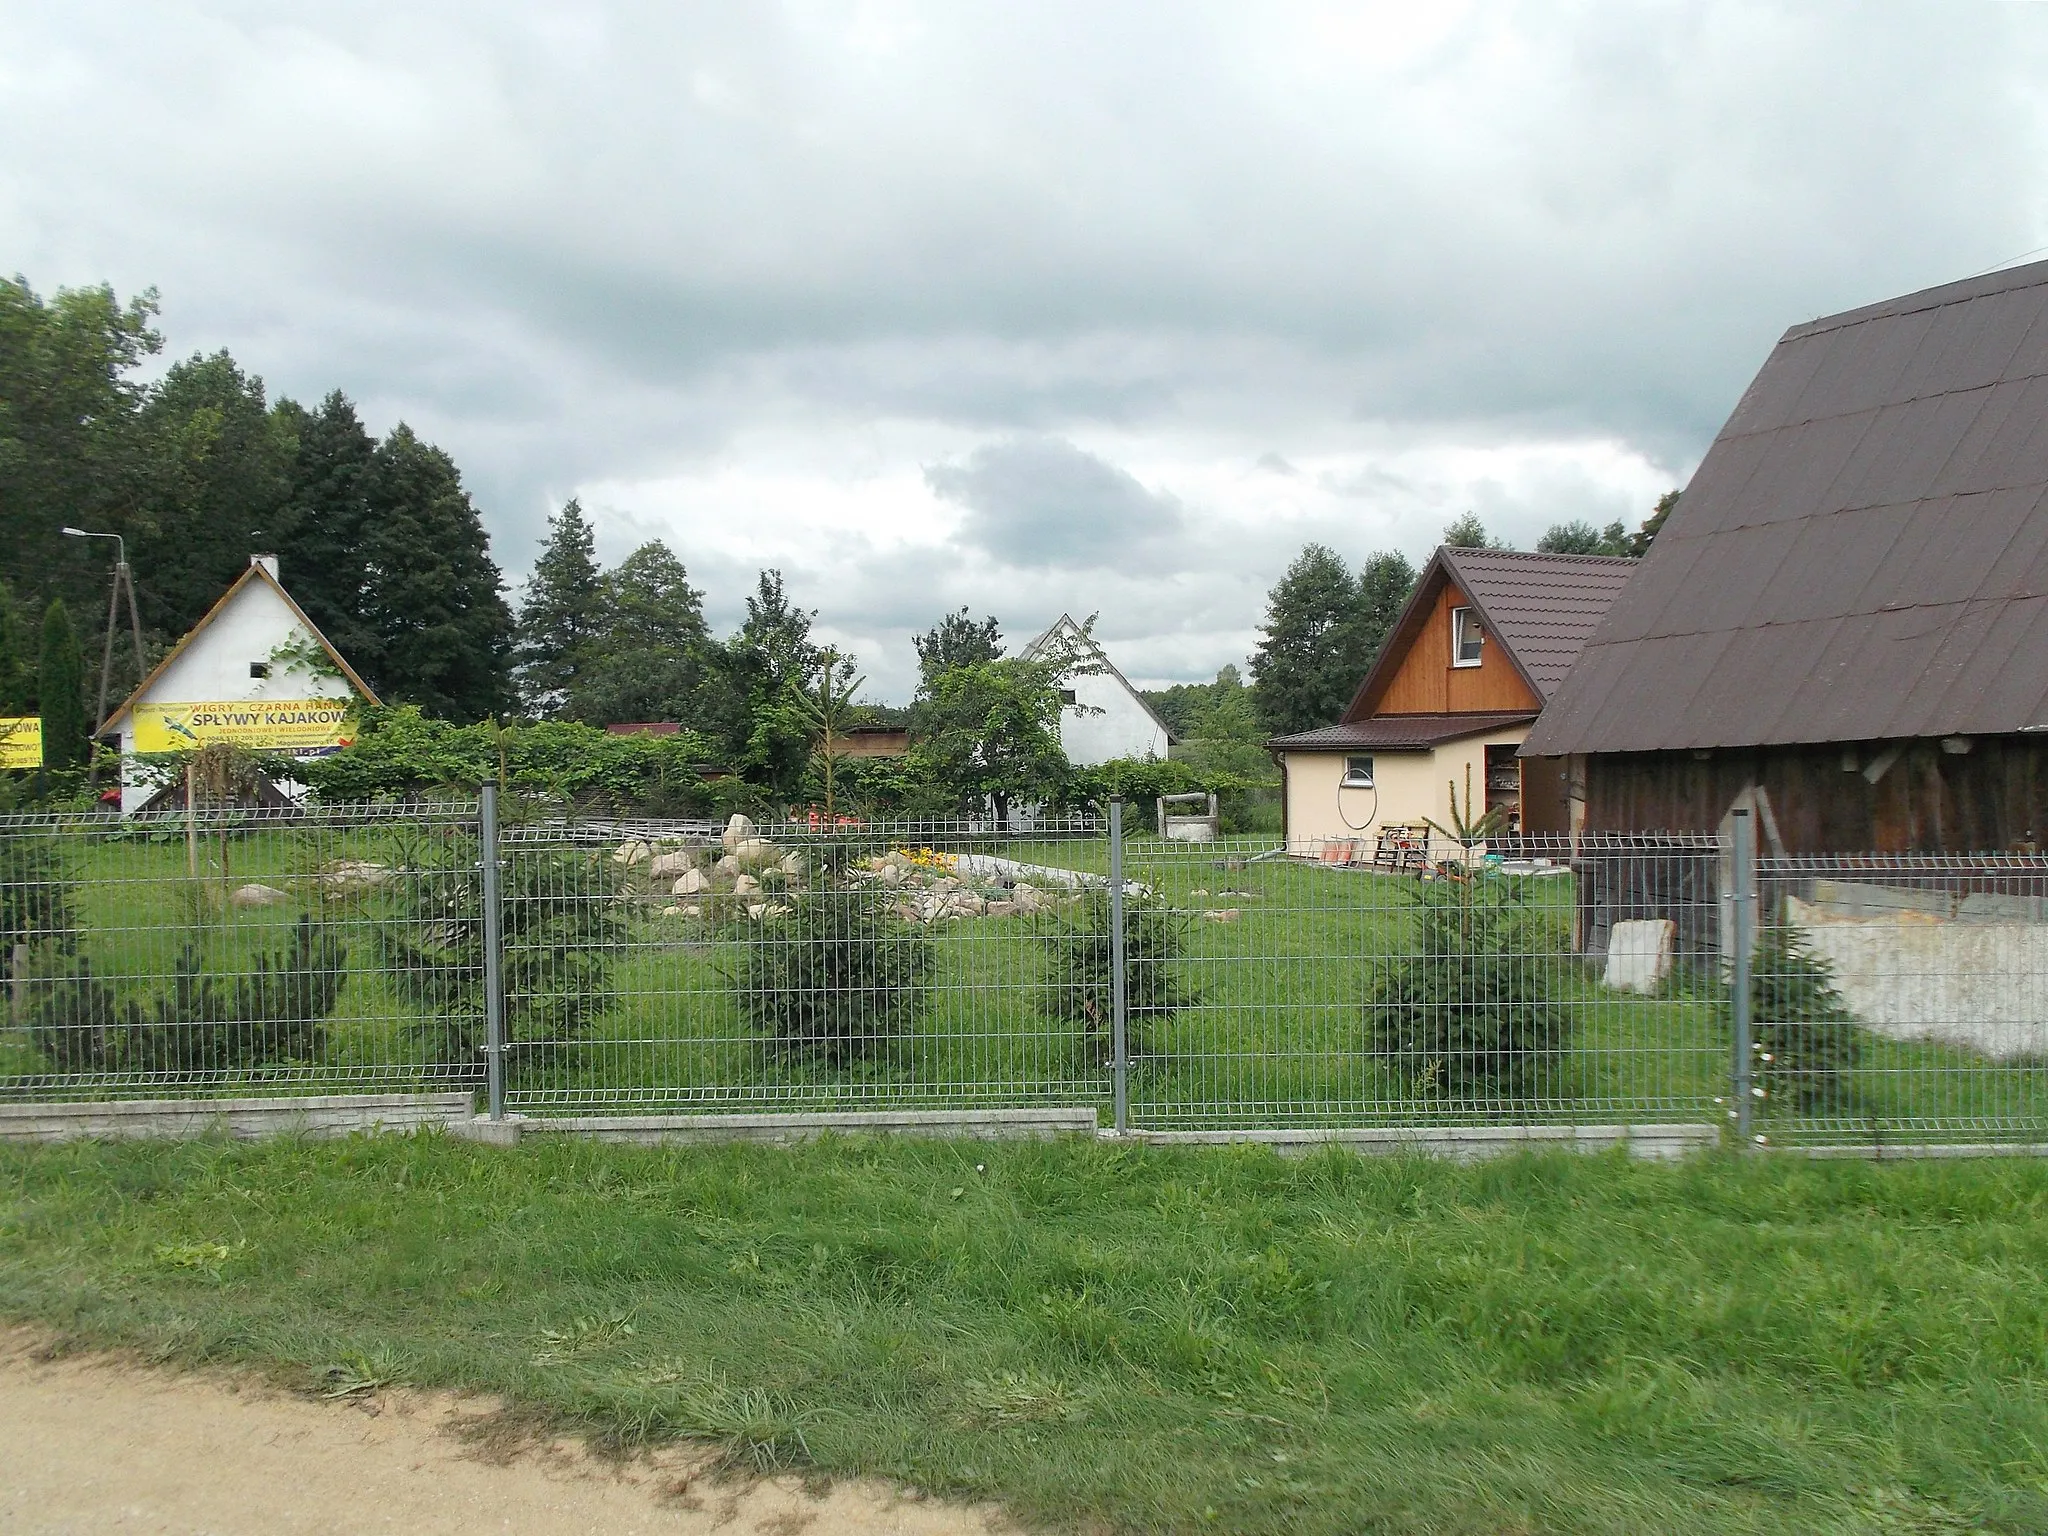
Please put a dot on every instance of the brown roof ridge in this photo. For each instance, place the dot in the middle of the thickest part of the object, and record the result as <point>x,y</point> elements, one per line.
<point>1960,290</point>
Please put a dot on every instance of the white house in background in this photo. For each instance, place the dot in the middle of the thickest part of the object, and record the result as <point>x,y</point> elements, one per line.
<point>255,671</point>
<point>1105,717</point>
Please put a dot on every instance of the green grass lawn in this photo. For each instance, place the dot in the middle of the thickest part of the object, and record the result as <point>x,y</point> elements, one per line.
<point>1276,1032</point>
<point>1131,1339</point>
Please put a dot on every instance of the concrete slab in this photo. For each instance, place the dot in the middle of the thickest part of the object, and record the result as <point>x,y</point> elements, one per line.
<point>243,1119</point>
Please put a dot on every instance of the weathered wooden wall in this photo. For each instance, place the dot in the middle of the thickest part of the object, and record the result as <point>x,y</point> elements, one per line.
<point>1993,797</point>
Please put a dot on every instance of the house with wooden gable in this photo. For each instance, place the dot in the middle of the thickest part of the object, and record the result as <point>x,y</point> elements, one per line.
<point>1482,643</point>
<point>1103,717</point>
<point>1845,618</point>
<point>255,671</point>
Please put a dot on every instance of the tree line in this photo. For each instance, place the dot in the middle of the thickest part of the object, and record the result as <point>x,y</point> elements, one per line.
<point>382,545</point>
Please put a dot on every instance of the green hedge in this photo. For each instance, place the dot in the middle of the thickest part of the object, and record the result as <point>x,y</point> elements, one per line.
<point>399,752</point>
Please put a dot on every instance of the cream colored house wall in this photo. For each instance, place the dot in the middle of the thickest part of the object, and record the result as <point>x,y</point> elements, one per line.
<point>1412,786</point>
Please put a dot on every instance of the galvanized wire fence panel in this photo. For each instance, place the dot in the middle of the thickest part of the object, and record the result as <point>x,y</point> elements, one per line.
<point>688,968</point>
<point>1902,998</point>
<point>237,952</point>
<point>1352,983</point>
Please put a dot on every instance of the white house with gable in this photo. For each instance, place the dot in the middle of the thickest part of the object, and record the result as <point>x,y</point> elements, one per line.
<point>255,671</point>
<point>1105,717</point>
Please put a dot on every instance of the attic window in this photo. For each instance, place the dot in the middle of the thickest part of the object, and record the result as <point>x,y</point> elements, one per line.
<point>1357,773</point>
<point>1067,696</point>
<point>259,669</point>
<point>1467,636</point>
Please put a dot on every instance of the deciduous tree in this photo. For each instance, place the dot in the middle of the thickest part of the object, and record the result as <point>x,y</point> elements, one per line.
<point>646,657</point>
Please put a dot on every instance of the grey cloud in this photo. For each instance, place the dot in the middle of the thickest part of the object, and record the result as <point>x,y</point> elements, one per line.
<point>1043,502</point>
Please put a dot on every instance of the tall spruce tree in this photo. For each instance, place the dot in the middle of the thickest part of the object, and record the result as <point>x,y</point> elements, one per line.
<point>647,659</point>
<point>17,676</point>
<point>319,540</point>
<point>219,478</point>
<point>561,614</point>
<point>1303,673</point>
<point>60,686</point>
<point>435,602</point>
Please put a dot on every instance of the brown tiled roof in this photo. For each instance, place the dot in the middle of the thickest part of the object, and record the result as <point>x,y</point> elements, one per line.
<point>1398,733</point>
<point>1863,553</point>
<point>1540,609</point>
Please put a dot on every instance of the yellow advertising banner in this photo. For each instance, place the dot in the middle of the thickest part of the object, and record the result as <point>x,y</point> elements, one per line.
<point>301,727</point>
<point>21,741</point>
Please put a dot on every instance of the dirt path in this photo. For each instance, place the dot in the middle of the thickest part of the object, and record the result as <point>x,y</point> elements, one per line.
<point>95,1443</point>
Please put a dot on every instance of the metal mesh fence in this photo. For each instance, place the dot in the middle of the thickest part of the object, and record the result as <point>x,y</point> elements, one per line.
<point>679,966</point>
<point>240,953</point>
<point>1901,998</point>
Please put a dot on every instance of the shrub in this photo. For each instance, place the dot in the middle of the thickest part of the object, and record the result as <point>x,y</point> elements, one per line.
<point>207,1024</point>
<point>563,923</point>
<point>74,1018</point>
<point>1804,1038</point>
<point>1470,1011</point>
<point>36,904</point>
<point>1081,970</point>
<point>837,978</point>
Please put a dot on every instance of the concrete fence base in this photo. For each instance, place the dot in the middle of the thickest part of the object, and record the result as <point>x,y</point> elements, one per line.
<point>1463,1143</point>
<point>975,1124</point>
<point>455,1115</point>
<point>244,1119</point>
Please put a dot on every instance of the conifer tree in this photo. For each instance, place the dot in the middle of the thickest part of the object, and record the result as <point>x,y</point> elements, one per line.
<point>17,677</point>
<point>561,614</point>
<point>219,477</point>
<point>60,684</point>
<point>435,602</point>
<point>319,540</point>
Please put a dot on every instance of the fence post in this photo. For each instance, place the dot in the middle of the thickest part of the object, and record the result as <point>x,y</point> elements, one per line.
<point>494,955</point>
<point>1743,940</point>
<point>1119,1002</point>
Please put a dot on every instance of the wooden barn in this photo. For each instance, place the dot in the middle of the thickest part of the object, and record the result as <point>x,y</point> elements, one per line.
<point>1846,615</point>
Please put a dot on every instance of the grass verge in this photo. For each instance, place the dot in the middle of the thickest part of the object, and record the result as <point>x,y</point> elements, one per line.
<point>1123,1338</point>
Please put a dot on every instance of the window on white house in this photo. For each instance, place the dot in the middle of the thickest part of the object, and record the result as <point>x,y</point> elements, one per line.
<point>259,669</point>
<point>1357,773</point>
<point>1467,636</point>
<point>1066,696</point>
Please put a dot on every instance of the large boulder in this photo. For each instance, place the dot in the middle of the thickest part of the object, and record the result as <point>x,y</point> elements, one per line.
<point>737,831</point>
<point>258,896</point>
<point>631,852</point>
<point>756,853</point>
<point>667,866</point>
<point>746,885</point>
<point>693,882</point>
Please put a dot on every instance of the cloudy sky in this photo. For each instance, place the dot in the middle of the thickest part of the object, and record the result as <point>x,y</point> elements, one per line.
<point>1096,306</point>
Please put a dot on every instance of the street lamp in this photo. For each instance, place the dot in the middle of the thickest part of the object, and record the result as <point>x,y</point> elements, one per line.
<point>122,578</point>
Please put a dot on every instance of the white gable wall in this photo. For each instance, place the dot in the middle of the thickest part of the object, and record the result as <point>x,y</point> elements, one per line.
<point>1123,728</point>
<point>214,666</point>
